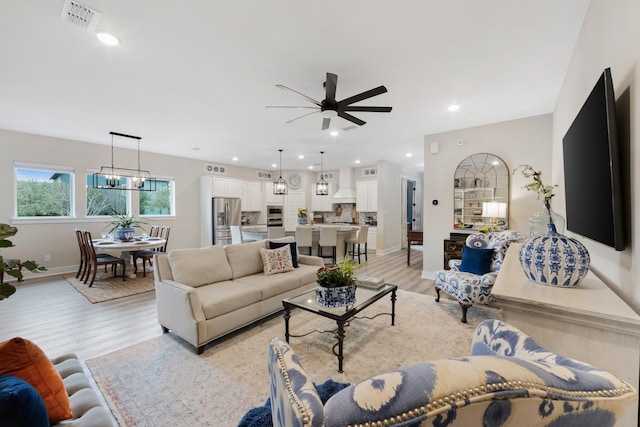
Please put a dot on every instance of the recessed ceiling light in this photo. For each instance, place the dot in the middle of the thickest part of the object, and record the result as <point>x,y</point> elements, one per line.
<point>409,154</point>
<point>273,165</point>
<point>310,167</point>
<point>454,107</point>
<point>235,159</point>
<point>301,156</point>
<point>108,39</point>
<point>357,162</point>
<point>334,133</point>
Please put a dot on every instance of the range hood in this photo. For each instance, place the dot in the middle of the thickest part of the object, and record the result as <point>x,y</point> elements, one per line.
<point>346,193</point>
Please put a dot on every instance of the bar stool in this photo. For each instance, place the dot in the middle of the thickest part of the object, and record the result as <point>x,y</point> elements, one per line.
<point>328,238</point>
<point>304,237</point>
<point>361,238</point>
<point>275,232</point>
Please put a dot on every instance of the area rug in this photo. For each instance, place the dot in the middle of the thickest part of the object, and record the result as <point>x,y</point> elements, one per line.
<point>162,382</point>
<point>108,288</point>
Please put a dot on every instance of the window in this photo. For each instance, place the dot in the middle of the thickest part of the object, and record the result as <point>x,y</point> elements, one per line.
<point>43,191</point>
<point>103,201</point>
<point>159,202</point>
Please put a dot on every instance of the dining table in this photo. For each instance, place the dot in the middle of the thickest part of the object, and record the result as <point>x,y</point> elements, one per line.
<point>126,248</point>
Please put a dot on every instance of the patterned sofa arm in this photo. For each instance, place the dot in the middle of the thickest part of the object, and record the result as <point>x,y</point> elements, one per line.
<point>489,389</point>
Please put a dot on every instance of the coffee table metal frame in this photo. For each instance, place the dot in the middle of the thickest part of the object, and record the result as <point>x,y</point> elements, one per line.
<point>308,301</point>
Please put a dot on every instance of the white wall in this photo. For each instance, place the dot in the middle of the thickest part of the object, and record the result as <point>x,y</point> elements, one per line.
<point>609,38</point>
<point>389,208</point>
<point>517,142</point>
<point>56,237</point>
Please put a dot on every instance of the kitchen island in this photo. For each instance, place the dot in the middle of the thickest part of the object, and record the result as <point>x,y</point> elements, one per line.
<point>345,232</point>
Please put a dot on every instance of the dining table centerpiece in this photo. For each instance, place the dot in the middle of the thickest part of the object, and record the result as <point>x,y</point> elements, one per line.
<point>337,284</point>
<point>124,226</point>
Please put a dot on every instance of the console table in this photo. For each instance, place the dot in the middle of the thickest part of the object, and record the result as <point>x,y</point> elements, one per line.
<point>589,323</point>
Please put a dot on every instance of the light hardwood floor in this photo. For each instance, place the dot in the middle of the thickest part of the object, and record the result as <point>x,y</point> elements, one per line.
<point>51,313</point>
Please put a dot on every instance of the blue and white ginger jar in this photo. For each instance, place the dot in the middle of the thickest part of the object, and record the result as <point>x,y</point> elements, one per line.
<point>336,297</point>
<point>554,259</point>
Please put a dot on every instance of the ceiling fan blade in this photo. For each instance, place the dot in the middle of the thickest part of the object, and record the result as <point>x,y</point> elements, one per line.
<point>289,106</point>
<point>330,88</point>
<point>326,122</point>
<point>368,109</point>
<point>313,101</point>
<point>362,96</point>
<point>351,118</point>
<point>304,115</point>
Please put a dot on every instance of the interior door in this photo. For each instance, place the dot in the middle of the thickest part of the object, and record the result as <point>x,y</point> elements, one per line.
<point>293,201</point>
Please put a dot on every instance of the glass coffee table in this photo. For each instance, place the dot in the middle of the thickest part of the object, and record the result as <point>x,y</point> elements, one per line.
<point>342,315</point>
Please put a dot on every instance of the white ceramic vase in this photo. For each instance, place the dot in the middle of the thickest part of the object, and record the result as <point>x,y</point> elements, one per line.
<point>554,259</point>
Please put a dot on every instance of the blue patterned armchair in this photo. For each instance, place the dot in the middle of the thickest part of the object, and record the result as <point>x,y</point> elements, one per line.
<point>509,380</point>
<point>472,287</point>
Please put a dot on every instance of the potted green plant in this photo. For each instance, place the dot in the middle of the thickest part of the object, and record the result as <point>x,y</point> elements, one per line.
<point>11,267</point>
<point>124,226</point>
<point>337,285</point>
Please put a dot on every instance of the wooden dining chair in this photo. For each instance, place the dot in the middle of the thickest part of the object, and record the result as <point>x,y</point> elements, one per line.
<point>93,260</point>
<point>147,254</point>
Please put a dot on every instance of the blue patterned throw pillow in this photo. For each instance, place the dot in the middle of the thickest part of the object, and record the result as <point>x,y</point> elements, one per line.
<point>476,260</point>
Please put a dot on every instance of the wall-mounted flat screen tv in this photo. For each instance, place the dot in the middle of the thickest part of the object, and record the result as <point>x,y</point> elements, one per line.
<point>592,169</point>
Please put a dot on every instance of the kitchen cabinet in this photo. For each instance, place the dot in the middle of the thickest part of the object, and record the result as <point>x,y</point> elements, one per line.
<point>224,187</point>
<point>270,198</point>
<point>367,196</point>
<point>372,238</point>
<point>322,203</point>
<point>252,197</point>
<point>293,201</point>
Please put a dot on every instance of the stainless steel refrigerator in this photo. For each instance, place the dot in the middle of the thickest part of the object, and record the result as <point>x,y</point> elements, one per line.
<point>226,212</point>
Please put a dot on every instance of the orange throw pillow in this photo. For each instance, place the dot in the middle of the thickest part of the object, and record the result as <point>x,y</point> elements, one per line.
<point>22,358</point>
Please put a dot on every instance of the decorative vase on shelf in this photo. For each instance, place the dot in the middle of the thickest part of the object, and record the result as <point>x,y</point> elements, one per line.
<point>302,220</point>
<point>539,222</point>
<point>554,259</point>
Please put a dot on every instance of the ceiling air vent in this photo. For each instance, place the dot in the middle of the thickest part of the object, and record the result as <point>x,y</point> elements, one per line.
<point>79,15</point>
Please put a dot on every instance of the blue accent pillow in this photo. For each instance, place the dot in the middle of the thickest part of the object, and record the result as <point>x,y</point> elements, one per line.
<point>21,404</point>
<point>294,250</point>
<point>476,260</point>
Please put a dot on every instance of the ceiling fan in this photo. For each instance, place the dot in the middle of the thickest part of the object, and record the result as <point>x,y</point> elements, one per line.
<point>329,107</point>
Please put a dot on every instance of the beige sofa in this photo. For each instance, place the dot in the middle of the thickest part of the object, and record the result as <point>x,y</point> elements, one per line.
<point>205,293</point>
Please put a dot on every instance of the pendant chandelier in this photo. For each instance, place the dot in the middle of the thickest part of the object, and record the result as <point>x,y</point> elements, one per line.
<point>280,186</point>
<point>117,178</point>
<point>322,186</point>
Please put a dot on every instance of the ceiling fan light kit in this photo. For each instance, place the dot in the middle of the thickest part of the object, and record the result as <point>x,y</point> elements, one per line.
<point>118,178</point>
<point>330,108</point>
<point>322,186</point>
<point>280,185</point>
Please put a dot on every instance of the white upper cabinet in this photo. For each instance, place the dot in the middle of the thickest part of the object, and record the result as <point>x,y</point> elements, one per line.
<point>367,196</point>
<point>252,197</point>
<point>322,203</point>
<point>270,198</point>
<point>224,187</point>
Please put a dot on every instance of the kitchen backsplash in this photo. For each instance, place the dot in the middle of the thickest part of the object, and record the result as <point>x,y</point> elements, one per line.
<point>344,212</point>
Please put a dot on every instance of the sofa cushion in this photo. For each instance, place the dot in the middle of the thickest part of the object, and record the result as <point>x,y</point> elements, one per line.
<point>21,358</point>
<point>276,261</point>
<point>224,297</point>
<point>200,266</point>
<point>270,286</point>
<point>292,247</point>
<point>245,258</point>
<point>20,404</point>
<point>305,274</point>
